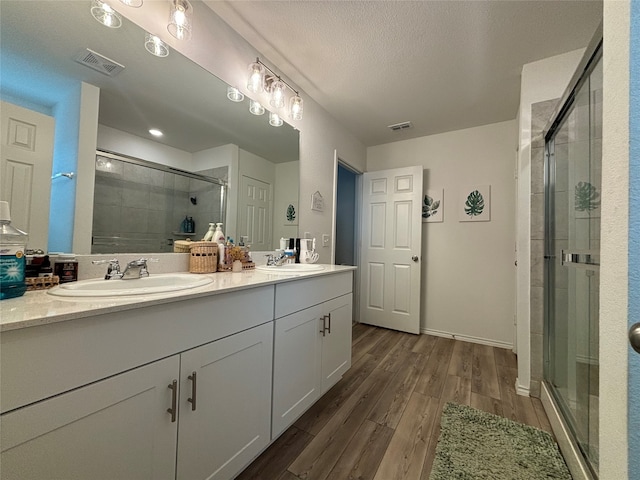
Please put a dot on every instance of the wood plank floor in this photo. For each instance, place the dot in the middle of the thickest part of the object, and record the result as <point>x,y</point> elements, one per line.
<point>382,420</point>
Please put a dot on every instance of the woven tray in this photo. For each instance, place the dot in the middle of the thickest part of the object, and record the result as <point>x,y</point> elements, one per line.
<point>245,266</point>
<point>41,283</point>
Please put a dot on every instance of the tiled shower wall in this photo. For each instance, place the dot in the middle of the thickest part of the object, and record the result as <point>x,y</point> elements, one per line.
<point>141,209</point>
<point>540,114</point>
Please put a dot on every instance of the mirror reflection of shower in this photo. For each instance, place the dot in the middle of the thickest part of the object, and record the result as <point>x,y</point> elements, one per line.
<point>140,206</point>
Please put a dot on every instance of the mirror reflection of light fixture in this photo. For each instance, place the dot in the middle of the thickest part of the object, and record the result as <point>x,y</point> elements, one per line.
<point>234,94</point>
<point>256,108</point>
<point>296,107</point>
<point>106,15</point>
<point>255,83</point>
<point>180,19</point>
<point>155,132</point>
<point>276,88</point>
<point>275,120</point>
<point>155,46</point>
<point>132,3</point>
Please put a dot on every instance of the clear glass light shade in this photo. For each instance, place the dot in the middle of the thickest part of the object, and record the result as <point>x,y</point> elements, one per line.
<point>255,83</point>
<point>275,120</point>
<point>132,3</point>
<point>256,108</point>
<point>234,94</point>
<point>180,19</point>
<point>277,90</point>
<point>106,15</point>
<point>155,46</point>
<point>296,107</point>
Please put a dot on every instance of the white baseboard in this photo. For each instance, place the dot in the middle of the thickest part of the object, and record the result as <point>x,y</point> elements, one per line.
<point>570,450</point>
<point>522,391</point>
<point>466,338</point>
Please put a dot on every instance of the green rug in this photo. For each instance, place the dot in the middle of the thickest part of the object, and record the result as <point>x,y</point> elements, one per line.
<point>476,445</point>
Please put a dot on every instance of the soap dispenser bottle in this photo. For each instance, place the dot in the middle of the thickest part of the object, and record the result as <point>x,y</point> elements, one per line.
<point>218,235</point>
<point>208,237</point>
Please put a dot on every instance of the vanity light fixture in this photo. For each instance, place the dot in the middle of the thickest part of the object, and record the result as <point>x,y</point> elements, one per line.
<point>276,87</point>
<point>155,46</point>
<point>132,3</point>
<point>106,15</point>
<point>275,120</point>
<point>180,19</point>
<point>155,132</point>
<point>256,108</point>
<point>234,94</point>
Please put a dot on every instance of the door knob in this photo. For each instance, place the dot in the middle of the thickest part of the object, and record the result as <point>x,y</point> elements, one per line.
<point>415,258</point>
<point>634,337</point>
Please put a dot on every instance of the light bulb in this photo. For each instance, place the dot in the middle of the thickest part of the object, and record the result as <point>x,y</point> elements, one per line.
<point>296,107</point>
<point>106,15</point>
<point>155,46</point>
<point>277,94</point>
<point>255,83</point>
<point>180,19</point>
<point>275,120</point>
<point>132,3</point>
<point>256,108</point>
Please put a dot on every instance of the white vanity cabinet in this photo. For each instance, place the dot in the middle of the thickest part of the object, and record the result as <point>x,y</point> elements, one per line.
<point>115,428</point>
<point>312,345</point>
<point>225,404</point>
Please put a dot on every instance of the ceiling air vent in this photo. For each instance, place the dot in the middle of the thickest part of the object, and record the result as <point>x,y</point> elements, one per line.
<point>400,126</point>
<point>98,62</point>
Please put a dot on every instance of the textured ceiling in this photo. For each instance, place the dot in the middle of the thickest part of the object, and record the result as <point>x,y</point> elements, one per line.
<point>443,65</point>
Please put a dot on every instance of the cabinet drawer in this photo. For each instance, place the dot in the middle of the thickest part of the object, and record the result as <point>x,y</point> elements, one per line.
<point>295,296</point>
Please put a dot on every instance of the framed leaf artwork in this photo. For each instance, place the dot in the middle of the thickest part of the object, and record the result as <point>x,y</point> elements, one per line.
<point>291,214</point>
<point>475,204</point>
<point>433,205</point>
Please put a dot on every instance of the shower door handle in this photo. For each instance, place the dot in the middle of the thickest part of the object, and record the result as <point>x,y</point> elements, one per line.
<point>634,337</point>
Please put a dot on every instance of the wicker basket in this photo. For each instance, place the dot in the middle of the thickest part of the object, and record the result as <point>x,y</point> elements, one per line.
<point>182,246</point>
<point>204,257</point>
<point>42,283</point>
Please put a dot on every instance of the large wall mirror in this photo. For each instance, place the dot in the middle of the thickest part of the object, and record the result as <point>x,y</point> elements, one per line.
<point>203,131</point>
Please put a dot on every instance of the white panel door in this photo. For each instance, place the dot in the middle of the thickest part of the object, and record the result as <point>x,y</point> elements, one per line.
<point>116,428</point>
<point>229,424</point>
<point>391,249</point>
<point>255,213</point>
<point>25,170</point>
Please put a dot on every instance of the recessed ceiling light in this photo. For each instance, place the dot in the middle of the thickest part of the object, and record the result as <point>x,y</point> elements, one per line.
<point>155,132</point>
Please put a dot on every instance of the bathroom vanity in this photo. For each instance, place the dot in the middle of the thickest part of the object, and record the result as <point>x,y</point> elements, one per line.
<point>194,384</point>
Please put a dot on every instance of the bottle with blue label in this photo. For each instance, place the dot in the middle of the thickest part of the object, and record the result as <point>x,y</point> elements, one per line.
<point>12,260</point>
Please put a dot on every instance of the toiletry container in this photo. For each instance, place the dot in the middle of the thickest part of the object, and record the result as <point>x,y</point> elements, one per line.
<point>65,267</point>
<point>46,270</point>
<point>218,235</point>
<point>208,237</point>
<point>12,260</point>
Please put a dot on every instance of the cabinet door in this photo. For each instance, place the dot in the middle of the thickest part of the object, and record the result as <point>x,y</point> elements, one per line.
<point>296,366</point>
<point>230,423</point>
<point>336,343</point>
<point>115,428</point>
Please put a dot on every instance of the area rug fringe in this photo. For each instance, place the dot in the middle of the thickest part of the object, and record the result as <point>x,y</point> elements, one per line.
<point>475,445</point>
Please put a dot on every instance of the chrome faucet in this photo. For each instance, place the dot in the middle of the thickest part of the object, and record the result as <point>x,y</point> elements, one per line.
<point>134,269</point>
<point>276,260</point>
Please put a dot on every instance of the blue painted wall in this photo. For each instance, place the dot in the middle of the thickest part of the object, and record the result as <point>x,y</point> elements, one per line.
<point>634,238</point>
<point>30,86</point>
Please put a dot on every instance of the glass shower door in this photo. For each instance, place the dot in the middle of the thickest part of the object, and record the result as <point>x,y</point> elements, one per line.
<point>573,166</point>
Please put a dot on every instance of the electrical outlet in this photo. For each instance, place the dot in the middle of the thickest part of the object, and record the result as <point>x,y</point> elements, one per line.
<point>325,240</point>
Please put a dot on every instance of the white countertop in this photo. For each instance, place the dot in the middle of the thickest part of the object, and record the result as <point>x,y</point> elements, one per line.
<point>39,308</point>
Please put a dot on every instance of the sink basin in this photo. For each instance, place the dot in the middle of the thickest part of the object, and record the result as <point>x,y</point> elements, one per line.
<point>170,282</point>
<point>291,268</point>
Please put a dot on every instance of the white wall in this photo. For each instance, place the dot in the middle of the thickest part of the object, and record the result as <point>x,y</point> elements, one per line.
<point>286,193</point>
<point>542,80</point>
<point>222,51</point>
<point>468,267</point>
<point>614,244</point>
<point>117,141</point>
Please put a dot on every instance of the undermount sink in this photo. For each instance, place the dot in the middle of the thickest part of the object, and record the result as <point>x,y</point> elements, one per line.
<point>291,268</point>
<point>170,282</point>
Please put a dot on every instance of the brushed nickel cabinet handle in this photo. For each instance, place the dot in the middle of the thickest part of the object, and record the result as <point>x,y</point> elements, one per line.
<point>173,386</point>
<point>329,329</point>
<point>192,377</point>
<point>324,326</point>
